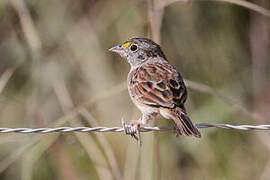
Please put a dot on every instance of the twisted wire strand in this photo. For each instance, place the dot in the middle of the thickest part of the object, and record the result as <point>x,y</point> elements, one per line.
<point>122,129</point>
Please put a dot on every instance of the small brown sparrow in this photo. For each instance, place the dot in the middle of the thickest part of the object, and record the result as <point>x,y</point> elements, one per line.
<point>154,85</point>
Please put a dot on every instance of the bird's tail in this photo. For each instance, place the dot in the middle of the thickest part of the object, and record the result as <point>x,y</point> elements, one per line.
<point>183,123</point>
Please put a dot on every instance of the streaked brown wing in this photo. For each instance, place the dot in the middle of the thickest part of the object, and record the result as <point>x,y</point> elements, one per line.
<point>157,84</point>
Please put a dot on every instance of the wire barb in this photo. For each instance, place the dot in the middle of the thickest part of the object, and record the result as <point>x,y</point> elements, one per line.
<point>127,129</point>
<point>134,131</point>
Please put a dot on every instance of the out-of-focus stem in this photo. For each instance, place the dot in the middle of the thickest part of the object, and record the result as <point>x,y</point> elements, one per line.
<point>4,78</point>
<point>259,46</point>
<point>155,15</point>
<point>242,3</point>
<point>28,27</point>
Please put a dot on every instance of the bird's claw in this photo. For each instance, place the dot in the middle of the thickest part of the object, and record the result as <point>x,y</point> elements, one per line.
<point>134,130</point>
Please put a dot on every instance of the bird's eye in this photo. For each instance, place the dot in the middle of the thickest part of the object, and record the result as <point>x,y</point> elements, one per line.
<point>133,47</point>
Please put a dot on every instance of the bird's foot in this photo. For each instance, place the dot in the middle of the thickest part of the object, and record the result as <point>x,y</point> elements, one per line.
<point>133,129</point>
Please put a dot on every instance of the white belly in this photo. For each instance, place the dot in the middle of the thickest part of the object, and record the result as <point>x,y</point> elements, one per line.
<point>147,109</point>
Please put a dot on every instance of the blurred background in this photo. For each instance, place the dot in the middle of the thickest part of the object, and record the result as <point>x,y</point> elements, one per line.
<point>56,70</point>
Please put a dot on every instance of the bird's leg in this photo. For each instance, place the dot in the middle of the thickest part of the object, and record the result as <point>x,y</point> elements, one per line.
<point>177,131</point>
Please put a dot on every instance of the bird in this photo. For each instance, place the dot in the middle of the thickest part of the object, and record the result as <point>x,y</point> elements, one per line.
<point>154,85</point>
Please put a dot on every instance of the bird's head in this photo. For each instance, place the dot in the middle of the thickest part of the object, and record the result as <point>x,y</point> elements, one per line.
<point>138,50</point>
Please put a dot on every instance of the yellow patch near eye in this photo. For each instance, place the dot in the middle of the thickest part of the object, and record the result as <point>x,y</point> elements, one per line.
<point>127,44</point>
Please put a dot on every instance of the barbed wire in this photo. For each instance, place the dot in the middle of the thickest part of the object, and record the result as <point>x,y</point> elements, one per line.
<point>122,129</point>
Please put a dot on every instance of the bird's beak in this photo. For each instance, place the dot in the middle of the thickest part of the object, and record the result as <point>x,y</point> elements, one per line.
<point>117,49</point>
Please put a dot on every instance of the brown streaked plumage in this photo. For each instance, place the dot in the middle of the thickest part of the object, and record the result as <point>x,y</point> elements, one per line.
<point>154,85</point>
